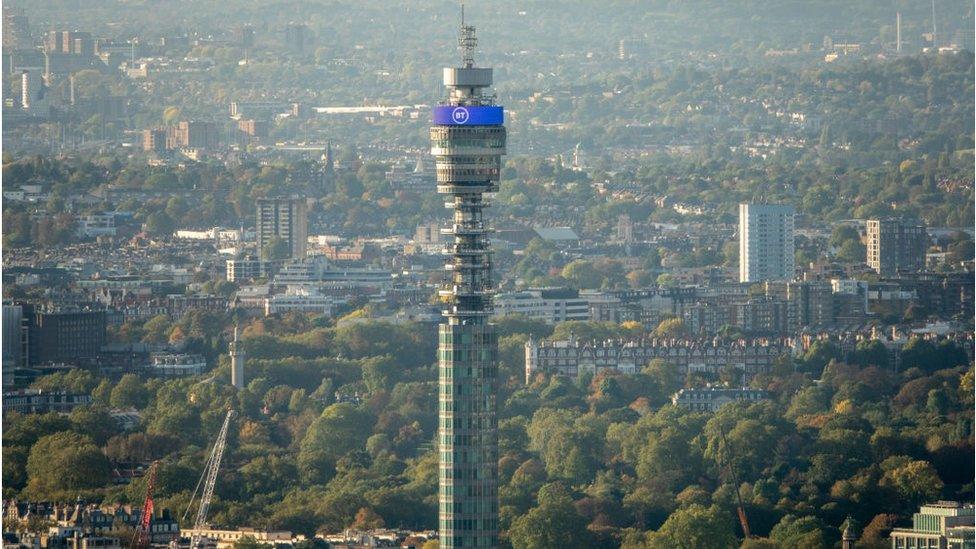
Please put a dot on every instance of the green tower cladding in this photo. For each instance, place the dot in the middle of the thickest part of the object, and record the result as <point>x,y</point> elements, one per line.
<point>468,141</point>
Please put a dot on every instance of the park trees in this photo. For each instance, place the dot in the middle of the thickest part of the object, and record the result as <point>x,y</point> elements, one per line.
<point>694,527</point>
<point>340,429</point>
<point>65,463</point>
<point>553,523</point>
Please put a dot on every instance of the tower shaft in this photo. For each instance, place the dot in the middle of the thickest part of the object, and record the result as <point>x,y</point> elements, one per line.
<point>237,359</point>
<point>468,141</point>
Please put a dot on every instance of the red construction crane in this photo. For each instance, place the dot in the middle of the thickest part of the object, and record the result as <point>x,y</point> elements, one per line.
<point>140,539</point>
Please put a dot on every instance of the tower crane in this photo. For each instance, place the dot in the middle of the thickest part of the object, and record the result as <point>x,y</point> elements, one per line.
<point>208,480</point>
<point>140,538</point>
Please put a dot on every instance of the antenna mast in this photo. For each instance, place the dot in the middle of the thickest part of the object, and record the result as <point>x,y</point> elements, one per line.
<point>468,41</point>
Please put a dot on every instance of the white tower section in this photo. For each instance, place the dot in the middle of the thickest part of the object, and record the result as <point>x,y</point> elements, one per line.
<point>30,90</point>
<point>237,358</point>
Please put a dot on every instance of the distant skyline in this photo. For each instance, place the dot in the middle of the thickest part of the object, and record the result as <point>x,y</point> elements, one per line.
<point>610,273</point>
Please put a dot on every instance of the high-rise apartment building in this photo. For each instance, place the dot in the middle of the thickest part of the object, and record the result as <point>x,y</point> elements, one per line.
<point>766,242</point>
<point>283,218</point>
<point>468,141</point>
<point>896,245</point>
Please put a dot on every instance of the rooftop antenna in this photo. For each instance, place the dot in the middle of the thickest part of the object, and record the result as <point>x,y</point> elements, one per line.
<point>935,34</point>
<point>467,40</point>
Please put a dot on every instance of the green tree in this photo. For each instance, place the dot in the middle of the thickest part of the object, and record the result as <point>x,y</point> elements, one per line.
<point>695,527</point>
<point>671,327</point>
<point>852,251</point>
<point>25,430</point>
<point>248,542</point>
<point>378,373</point>
<point>160,224</point>
<point>156,329</point>
<point>582,274</point>
<point>14,467</point>
<point>96,423</point>
<point>759,543</point>
<point>342,428</point>
<point>520,324</point>
<point>553,523</point>
<point>793,531</point>
<point>170,115</point>
<point>915,481</point>
<point>62,463</point>
<point>275,249</point>
<point>73,381</point>
<point>665,375</point>
<point>871,352</point>
<point>819,354</point>
<point>129,392</point>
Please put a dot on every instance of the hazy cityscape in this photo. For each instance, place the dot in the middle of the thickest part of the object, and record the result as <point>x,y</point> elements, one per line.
<point>591,274</point>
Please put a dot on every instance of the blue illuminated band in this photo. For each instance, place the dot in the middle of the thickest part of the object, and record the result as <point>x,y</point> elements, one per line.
<point>452,115</point>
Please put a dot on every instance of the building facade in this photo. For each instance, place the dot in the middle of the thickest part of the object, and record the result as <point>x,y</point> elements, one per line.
<point>81,525</point>
<point>468,141</point>
<point>14,342</point>
<point>710,399</point>
<point>35,401</point>
<point>16,30</point>
<point>70,42</point>
<point>896,245</point>
<point>193,134</point>
<point>760,315</point>
<point>766,246</point>
<point>284,218</point>
<point>706,356</point>
<point>224,539</point>
<point>245,268</point>
<point>301,299</point>
<point>549,304</point>
<point>154,140</point>
<point>940,525</point>
<point>66,335</point>
<point>176,365</point>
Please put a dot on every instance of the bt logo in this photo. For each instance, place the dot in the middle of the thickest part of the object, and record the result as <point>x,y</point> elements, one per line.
<point>460,115</point>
